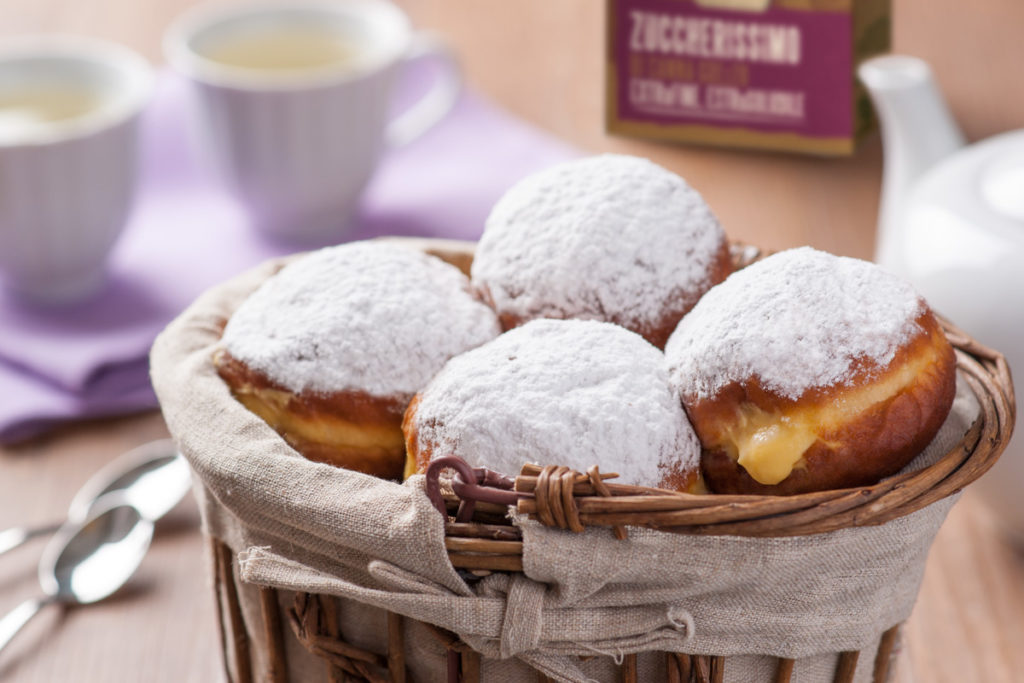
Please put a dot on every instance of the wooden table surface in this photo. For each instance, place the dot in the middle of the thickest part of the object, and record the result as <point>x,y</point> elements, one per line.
<point>541,59</point>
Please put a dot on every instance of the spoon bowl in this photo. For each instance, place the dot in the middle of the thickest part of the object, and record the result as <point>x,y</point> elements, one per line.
<point>87,561</point>
<point>153,476</point>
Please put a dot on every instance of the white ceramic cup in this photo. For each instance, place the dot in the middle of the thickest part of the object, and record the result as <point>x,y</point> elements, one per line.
<point>297,145</point>
<point>66,182</point>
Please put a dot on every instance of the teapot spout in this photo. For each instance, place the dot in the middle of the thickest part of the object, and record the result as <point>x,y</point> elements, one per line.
<point>918,130</point>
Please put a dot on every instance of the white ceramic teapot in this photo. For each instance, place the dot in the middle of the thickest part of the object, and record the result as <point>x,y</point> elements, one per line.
<point>952,222</point>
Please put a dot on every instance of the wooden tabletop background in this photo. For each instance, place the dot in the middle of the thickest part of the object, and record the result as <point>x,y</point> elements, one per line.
<point>542,60</point>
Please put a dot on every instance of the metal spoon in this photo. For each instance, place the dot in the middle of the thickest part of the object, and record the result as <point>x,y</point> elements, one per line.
<point>153,476</point>
<point>86,561</point>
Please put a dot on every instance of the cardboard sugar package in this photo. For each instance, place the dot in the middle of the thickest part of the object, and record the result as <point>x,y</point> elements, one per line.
<point>761,74</point>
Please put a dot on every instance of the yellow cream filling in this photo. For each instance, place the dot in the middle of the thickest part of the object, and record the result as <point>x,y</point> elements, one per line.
<point>410,467</point>
<point>769,453</point>
<point>769,445</point>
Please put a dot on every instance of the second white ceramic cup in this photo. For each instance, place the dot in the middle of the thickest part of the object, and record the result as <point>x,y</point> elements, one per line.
<point>297,146</point>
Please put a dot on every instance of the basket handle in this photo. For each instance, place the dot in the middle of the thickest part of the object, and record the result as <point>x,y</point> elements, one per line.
<point>471,484</point>
<point>550,487</point>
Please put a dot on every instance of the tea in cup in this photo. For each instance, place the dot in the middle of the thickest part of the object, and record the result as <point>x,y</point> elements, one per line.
<point>69,111</point>
<point>284,48</point>
<point>30,108</point>
<point>293,101</point>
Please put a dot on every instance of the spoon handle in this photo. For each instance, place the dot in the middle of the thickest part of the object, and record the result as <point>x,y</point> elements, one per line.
<point>12,538</point>
<point>18,617</point>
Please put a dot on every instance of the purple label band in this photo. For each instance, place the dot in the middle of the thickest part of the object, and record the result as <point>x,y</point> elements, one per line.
<point>731,76</point>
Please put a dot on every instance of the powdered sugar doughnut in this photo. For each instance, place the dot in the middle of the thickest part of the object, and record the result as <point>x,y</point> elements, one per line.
<point>808,371</point>
<point>612,237</point>
<point>574,393</point>
<point>330,350</point>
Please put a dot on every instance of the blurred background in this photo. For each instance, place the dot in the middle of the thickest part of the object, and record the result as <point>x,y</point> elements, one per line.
<point>543,61</point>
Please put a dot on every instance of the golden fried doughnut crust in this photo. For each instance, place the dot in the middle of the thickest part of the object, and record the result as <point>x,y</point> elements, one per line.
<point>679,478</point>
<point>416,459</point>
<point>835,437</point>
<point>347,429</point>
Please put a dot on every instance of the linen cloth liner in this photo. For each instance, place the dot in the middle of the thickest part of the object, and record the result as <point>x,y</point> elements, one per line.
<point>305,526</point>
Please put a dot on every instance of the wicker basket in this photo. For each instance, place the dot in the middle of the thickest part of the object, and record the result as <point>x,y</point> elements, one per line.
<point>480,540</point>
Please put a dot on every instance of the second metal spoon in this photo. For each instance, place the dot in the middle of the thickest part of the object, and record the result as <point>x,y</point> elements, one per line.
<point>153,476</point>
<point>86,561</point>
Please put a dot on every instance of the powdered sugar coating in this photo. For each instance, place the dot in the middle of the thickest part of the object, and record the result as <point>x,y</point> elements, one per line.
<point>573,393</point>
<point>610,237</point>
<point>797,320</point>
<point>366,316</point>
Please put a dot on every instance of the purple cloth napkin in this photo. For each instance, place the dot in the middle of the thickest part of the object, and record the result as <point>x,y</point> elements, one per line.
<point>186,235</point>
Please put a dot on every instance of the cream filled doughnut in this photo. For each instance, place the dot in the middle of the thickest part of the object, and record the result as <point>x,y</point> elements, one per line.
<point>613,238</point>
<point>808,371</point>
<point>574,393</point>
<point>330,350</point>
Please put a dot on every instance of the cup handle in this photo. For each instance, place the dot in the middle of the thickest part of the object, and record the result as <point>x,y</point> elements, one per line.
<point>438,101</point>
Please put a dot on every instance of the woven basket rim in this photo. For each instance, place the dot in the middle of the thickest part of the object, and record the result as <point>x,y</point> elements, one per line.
<point>481,546</point>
